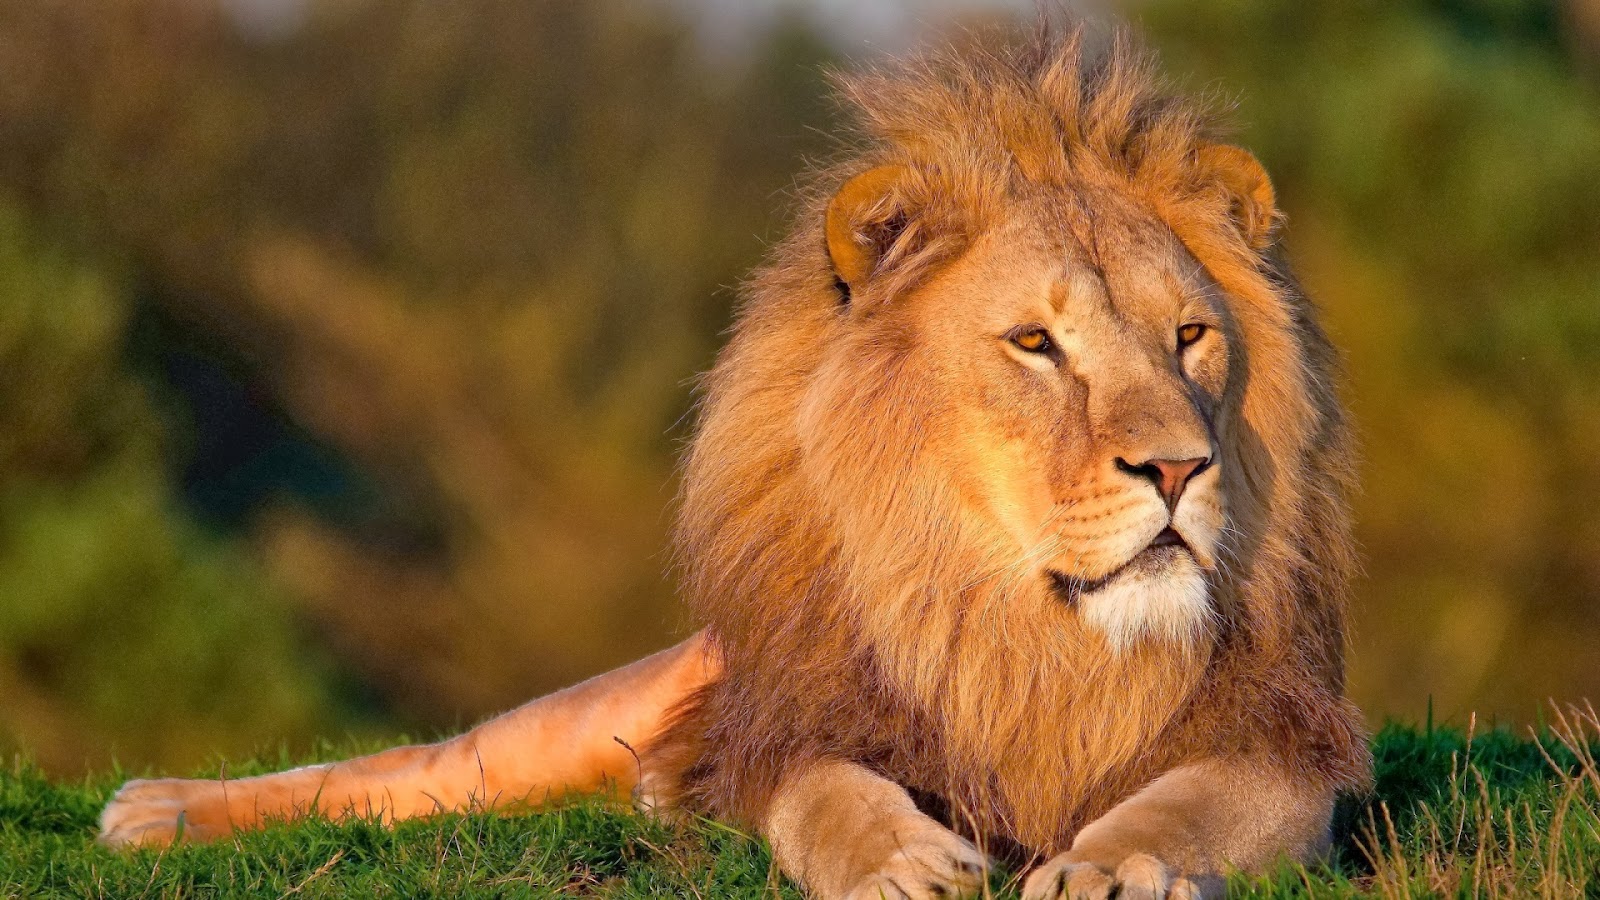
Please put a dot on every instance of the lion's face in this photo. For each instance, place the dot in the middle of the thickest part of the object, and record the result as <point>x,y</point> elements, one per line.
<point>1072,371</point>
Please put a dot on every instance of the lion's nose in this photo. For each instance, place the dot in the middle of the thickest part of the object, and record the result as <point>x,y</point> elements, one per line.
<point>1170,476</point>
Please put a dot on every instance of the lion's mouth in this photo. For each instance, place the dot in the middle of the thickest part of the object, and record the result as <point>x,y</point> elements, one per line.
<point>1168,538</point>
<point>1158,555</point>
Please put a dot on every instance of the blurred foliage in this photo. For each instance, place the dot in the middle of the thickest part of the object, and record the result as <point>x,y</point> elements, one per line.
<point>345,363</point>
<point>477,250</point>
<point>124,627</point>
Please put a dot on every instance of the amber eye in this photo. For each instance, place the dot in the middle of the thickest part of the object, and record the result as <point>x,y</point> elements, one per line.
<point>1031,338</point>
<point>1190,333</point>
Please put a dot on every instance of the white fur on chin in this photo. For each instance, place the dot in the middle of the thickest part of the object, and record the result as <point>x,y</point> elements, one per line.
<point>1172,606</point>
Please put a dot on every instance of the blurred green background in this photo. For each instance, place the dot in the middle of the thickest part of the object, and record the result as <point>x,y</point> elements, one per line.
<point>345,346</point>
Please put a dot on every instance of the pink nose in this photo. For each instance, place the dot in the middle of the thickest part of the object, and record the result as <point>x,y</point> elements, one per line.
<point>1170,476</point>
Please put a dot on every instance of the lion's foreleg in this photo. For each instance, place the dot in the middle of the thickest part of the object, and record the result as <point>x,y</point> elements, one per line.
<point>1181,835</point>
<point>843,831</point>
<point>561,743</point>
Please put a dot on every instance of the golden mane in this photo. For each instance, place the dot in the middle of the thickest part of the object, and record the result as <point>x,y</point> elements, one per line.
<point>857,611</point>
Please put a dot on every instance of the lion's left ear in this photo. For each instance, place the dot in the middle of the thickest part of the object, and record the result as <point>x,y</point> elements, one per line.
<point>864,220</point>
<point>1255,210</point>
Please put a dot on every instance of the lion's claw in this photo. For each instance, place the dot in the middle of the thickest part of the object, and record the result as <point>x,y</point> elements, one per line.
<point>934,867</point>
<point>1138,877</point>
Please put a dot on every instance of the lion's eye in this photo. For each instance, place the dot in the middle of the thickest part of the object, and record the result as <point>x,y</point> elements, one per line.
<point>1032,339</point>
<point>1190,333</point>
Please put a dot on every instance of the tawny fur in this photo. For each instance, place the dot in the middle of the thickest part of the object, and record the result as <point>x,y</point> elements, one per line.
<point>862,609</point>
<point>871,506</point>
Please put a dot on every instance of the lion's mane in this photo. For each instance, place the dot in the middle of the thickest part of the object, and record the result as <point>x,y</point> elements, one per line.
<point>859,612</point>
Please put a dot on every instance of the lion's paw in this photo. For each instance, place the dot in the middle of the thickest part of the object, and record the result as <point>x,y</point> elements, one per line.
<point>934,864</point>
<point>158,811</point>
<point>1138,877</point>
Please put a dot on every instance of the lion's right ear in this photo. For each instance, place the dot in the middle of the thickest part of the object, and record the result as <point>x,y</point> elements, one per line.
<point>865,218</point>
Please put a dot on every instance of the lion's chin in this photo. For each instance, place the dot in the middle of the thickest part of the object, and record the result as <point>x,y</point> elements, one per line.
<point>1160,595</point>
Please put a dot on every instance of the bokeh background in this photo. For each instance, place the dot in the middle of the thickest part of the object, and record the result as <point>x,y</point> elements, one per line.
<point>346,345</point>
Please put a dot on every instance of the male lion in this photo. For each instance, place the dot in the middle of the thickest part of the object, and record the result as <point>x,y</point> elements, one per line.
<point>1015,510</point>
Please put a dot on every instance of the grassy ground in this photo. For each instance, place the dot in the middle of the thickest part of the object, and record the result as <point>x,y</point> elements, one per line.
<point>1454,813</point>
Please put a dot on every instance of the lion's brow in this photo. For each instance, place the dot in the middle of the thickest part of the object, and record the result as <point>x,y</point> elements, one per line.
<point>1060,292</point>
<point>1183,290</point>
<point>1074,282</point>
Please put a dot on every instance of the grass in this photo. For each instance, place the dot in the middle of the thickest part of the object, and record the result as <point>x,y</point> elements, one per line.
<point>1455,812</point>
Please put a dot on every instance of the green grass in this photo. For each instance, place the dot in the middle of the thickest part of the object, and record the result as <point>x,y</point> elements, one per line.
<point>1453,814</point>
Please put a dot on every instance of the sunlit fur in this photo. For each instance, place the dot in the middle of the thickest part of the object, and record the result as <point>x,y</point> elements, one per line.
<point>1173,607</point>
<point>876,489</point>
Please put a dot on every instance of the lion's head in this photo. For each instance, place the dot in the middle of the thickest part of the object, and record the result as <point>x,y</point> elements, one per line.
<point>1050,397</point>
<point>1025,434</point>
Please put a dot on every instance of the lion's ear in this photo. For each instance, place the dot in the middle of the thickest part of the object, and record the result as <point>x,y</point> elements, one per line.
<point>864,219</point>
<point>1255,210</point>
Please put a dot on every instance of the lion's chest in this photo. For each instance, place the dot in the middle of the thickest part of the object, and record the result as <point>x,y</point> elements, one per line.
<point>1035,756</point>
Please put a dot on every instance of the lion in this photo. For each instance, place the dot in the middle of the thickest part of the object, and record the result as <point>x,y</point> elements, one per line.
<point>1014,517</point>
